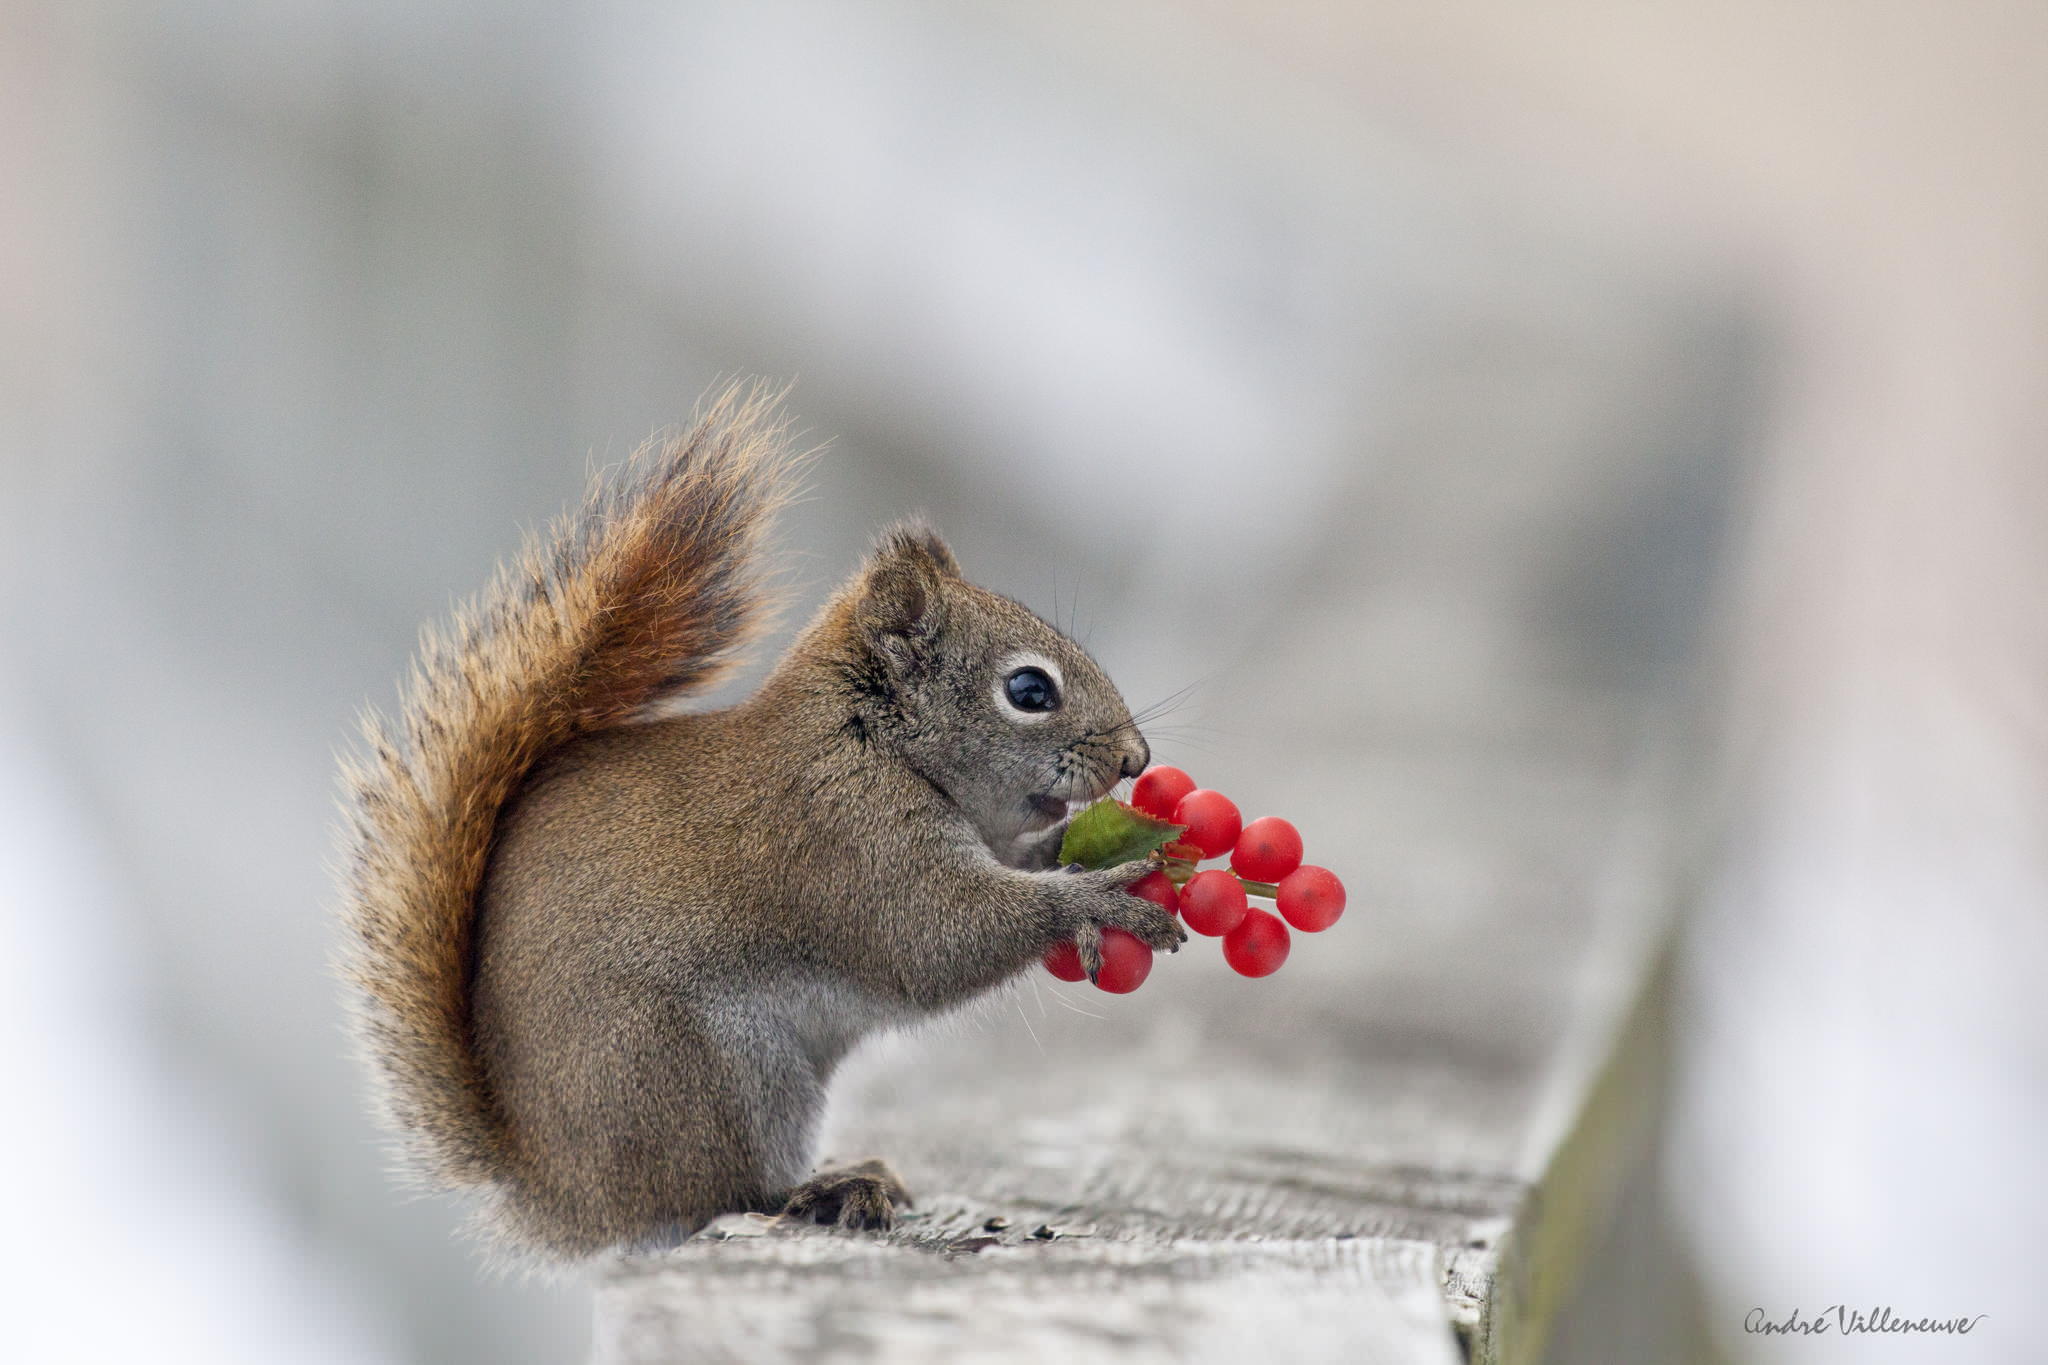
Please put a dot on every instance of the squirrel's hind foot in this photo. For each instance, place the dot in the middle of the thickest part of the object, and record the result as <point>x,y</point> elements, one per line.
<point>865,1194</point>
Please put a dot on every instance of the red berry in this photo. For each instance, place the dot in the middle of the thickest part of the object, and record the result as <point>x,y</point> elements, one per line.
<point>1311,898</point>
<point>1257,946</point>
<point>1212,821</point>
<point>1157,887</point>
<point>1159,790</point>
<point>1268,850</point>
<point>1126,962</point>
<point>1213,902</point>
<point>1063,960</point>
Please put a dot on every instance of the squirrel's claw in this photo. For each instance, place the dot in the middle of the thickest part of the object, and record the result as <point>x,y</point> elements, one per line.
<point>1089,942</point>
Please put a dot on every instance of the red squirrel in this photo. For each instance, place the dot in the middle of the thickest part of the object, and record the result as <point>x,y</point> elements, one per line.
<point>605,957</point>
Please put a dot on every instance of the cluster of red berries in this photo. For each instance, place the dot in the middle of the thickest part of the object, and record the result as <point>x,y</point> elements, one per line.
<point>1265,861</point>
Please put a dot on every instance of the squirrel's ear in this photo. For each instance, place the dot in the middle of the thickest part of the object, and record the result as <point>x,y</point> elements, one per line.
<point>898,607</point>
<point>914,538</point>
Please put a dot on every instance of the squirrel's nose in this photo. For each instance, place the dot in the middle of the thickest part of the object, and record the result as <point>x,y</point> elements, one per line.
<point>1134,762</point>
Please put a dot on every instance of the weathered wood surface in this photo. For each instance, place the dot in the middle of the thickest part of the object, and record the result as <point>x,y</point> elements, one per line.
<point>1408,1135</point>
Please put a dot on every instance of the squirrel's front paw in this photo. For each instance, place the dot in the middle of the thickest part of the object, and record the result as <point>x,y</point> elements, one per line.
<point>1109,904</point>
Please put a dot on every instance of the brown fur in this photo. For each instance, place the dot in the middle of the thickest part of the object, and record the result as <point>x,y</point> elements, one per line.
<point>607,964</point>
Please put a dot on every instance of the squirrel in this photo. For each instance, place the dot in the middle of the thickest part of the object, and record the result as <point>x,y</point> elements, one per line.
<point>605,954</point>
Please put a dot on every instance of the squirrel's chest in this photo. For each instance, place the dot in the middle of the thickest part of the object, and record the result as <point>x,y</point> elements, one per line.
<point>828,1018</point>
<point>808,1025</point>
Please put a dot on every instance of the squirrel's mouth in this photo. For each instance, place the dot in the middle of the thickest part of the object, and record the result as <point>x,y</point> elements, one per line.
<point>1047,811</point>
<point>1049,808</point>
<point>1037,843</point>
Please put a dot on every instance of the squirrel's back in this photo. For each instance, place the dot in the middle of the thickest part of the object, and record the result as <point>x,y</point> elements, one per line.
<point>644,594</point>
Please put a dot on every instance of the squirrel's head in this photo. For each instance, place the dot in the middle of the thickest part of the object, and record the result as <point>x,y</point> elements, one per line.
<point>996,708</point>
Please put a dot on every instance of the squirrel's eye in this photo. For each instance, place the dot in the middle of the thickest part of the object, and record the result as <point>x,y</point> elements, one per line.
<point>1030,690</point>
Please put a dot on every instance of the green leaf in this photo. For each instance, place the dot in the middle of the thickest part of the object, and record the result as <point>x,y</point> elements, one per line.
<point>1109,832</point>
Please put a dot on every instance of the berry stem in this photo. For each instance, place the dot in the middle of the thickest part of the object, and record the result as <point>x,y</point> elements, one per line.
<point>1180,869</point>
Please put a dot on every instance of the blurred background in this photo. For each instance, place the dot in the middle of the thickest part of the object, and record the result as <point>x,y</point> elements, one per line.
<point>1447,362</point>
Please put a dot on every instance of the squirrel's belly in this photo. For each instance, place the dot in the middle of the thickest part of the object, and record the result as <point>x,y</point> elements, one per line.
<point>792,1036</point>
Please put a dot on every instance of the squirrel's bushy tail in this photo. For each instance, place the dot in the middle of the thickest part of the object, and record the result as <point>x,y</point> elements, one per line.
<point>645,593</point>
